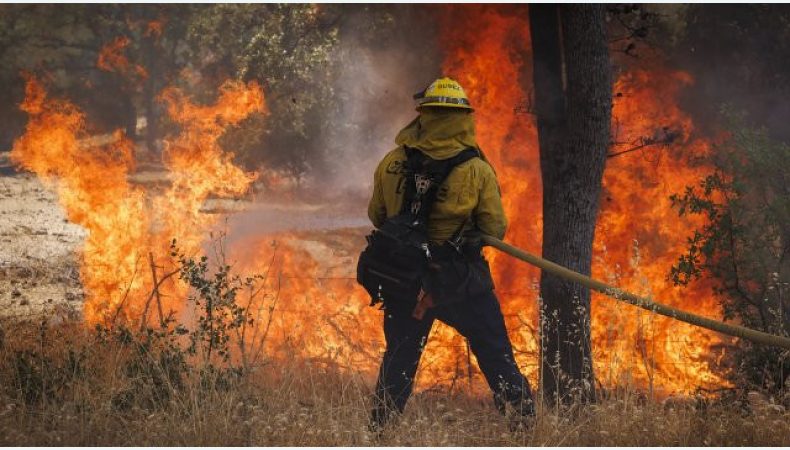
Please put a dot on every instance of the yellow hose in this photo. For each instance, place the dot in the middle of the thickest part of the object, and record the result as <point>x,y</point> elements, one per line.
<point>642,302</point>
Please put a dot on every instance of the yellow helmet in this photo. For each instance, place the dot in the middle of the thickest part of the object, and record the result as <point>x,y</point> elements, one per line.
<point>444,92</point>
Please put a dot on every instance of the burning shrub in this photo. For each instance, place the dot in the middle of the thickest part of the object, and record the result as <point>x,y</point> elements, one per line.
<point>167,358</point>
<point>220,316</point>
<point>744,245</point>
<point>155,366</point>
<point>127,221</point>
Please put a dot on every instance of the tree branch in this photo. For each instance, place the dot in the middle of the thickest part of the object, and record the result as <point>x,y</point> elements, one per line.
<point>663,137</point>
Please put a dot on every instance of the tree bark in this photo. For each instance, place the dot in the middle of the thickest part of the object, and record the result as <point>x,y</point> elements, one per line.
<point>151,87</point>
<point>574,114</point>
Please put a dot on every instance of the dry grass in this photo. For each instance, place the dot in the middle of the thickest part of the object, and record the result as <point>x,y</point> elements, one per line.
<point>63,386</point>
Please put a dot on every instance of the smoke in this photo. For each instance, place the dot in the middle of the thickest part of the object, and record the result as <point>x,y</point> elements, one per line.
<point>738,56</point>
<point>385,54</point>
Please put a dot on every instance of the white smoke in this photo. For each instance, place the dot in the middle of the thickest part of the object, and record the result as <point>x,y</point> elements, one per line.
<point>375,87</point>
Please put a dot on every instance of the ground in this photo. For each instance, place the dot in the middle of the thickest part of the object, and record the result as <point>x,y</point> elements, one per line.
<point>61,384</point>
<point>38,260</point>
<point>39,247</point>
<point>103,398</point>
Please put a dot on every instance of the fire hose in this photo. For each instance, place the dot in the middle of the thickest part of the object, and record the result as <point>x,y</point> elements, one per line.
<point>636,300</point>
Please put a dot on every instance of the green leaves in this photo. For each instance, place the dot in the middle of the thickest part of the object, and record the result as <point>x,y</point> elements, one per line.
<point>288,49</point>
<point>744,242</point>
<point>214,293</point>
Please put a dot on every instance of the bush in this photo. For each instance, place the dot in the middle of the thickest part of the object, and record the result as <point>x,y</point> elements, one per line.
<point>152,366</point>
<point>745,245</point>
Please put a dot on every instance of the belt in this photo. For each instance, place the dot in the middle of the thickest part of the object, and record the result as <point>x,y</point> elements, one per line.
<point>447,250</point>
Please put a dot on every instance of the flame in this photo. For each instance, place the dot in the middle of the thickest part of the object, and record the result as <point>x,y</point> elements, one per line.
<point>197,165</point>
<point>155,28</point>
<point>128,223</point>
<point>317,311</point>
<point>311,306</point>
<point>92,185</point>
<point>321,313</point>
<point>629,345</point>
<point>112,58</point>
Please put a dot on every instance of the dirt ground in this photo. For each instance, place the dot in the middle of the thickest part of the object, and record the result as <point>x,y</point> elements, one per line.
<point>39,248</point>
<point>39,270</point>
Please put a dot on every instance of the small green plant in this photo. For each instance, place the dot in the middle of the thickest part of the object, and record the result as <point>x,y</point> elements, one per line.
<point>152,368</point>
<point>219,315</point>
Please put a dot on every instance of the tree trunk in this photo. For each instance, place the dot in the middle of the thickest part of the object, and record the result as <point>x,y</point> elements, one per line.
<point>573,130</point>
<point>152,55</point>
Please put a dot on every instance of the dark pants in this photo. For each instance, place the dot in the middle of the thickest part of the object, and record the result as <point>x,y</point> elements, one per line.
<point>479,320</point>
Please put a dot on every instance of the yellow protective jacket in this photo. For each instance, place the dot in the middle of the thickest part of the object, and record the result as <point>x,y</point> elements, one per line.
<point>470,191</point>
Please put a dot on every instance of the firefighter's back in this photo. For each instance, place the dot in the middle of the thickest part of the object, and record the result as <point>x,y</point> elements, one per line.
<point>469,192</point>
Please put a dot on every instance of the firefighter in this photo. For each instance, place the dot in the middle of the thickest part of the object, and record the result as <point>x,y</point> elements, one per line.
<point>466,204</point>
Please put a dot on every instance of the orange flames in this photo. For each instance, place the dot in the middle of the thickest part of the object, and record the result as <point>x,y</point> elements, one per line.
<point>638,235</point>
<point>112,58</point>
<point>91,180</point>
<point>321,314</point>
<point>92,185</point>
<point>311,306</point>
<point>197,165</point>
<point>155,28</point>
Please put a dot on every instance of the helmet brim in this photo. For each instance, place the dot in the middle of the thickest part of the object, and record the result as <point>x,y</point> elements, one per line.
<point>445,105</point>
